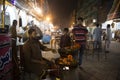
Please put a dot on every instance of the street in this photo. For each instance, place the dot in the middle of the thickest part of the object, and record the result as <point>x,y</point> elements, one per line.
<point>94,69</point>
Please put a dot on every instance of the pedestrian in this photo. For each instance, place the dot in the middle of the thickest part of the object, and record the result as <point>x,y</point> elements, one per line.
<point>65,42</point>
<point>14,36</point>
<point>65,39</point>
<point>108,38</point>
<point>97,33</point>
<point>80,36</point>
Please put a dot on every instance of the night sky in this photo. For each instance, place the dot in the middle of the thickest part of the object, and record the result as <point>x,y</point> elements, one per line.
<point>61,11</point>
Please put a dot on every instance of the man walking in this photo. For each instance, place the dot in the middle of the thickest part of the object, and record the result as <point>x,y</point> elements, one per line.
<point>97,33</point>
<point>108,38</point>
<point>79,33</point>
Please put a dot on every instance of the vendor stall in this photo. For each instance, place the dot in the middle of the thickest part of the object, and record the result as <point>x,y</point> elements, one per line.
<point>68,56</point>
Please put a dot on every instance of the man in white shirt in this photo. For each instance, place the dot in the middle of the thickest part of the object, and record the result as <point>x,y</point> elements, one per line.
<point>108,38</point>
<point>97,33</point>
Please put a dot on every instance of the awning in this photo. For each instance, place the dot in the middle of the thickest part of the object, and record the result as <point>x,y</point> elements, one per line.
<point>113,16</point>
<point>31,6</point>
<point>115,10</point>
<point>28,6</point>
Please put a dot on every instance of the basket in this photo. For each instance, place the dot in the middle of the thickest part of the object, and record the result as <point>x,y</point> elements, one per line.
<point>62,63</point>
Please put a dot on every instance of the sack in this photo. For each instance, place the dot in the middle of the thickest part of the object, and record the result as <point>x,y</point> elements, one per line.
<point>51,56</point>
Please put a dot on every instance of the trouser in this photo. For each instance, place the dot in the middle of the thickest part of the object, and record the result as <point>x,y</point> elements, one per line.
<point>97,44</point>
<point>81,52</point>
<point>107,44</point>
<point>75,54</point>
<point>16,70</point>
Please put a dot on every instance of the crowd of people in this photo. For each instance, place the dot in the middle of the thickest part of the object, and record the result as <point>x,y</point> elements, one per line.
<point>32,46</point>
<point>97,37</point>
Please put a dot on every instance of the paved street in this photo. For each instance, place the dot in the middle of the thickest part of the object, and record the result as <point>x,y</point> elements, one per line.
<point>104,69</point>
<point>94,69</point>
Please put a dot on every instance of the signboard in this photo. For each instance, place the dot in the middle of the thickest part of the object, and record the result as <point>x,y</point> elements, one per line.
<point>5,58</point>
<point>12,1</point>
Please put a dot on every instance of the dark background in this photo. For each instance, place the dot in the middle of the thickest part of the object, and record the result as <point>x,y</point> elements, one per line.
<point>61,11</point>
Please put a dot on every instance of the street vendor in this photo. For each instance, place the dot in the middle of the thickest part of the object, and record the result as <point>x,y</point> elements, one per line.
<point>34,61</point>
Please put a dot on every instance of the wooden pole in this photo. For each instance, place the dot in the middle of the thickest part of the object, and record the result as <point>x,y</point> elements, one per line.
<point>3,14</point>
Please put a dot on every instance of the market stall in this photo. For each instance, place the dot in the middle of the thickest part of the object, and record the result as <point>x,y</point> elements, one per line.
<point>68,56</point>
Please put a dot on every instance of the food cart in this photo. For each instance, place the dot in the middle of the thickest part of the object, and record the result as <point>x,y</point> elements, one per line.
<point>68,56</point>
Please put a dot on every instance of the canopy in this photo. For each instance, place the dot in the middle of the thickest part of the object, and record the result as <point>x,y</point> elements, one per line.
<point>115,10</point>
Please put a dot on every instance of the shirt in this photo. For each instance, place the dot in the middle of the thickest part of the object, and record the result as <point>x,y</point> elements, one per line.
<point>97,33</point>
<point>108,34</point>
<point>80,32</point>
<point>65,41</point>
<point>13,32</point>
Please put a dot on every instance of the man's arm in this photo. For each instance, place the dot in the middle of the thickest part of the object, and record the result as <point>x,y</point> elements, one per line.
<point>44,48</point>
